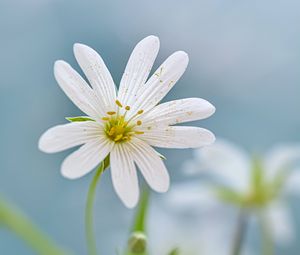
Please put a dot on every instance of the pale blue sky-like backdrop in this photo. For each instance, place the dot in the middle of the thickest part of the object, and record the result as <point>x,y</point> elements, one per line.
<point>244,58</point>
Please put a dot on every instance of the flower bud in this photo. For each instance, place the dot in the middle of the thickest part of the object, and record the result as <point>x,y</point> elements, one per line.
<point>137,243</point>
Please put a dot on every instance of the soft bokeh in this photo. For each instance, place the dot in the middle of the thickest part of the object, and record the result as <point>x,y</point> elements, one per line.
<point>244,58</point>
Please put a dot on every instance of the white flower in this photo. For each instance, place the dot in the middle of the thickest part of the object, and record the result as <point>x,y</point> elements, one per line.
<point>231,167</point>
<point>181,221</point>
<point>125,124</point>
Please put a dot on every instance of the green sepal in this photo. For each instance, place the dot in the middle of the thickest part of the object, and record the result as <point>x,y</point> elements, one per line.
<point>79,119</point>
<point>230,196</point>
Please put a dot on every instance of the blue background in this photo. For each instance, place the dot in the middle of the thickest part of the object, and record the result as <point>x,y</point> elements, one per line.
<point>244,58</point>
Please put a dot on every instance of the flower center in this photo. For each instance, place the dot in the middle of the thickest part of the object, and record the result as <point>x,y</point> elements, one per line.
<point>118,128</point>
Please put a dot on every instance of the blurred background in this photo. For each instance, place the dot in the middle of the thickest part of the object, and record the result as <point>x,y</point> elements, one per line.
<point>244,58</point>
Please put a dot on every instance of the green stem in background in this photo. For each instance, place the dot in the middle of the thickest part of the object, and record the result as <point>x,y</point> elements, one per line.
<point>89,216</point>
<point>267,242</point>
<point>14,220</point>
<point>240,233</point>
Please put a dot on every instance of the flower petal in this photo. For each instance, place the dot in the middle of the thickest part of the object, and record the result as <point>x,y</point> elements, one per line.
<point>150,165</point>
<point>226,162</point>
<point>66,136</point>
<point>161,82</point>
<point>76,88</point>
<point>179,111</point>
<point>178,137</point>
<point>124,175</point>
<point>138,68</point>
<point>97,73</point>
<point>292,185</point>
<point>280,223</point>
<point>87,157</point>
<point>281,158</point>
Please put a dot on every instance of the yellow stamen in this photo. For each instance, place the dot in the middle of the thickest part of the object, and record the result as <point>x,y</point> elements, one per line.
<point>139,123</point>
<point>139,132</point>
<point>111,113</point>
<point>105,118</point>
<point>127,108</point>
<point>119,103</point>
<point>140,111</point>
<point>118,137</point>
<point>112,131</point>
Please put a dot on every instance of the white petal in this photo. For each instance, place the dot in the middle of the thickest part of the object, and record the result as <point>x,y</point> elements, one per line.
<point>178,137</point>
<point>179,111</point>
<point>75,87</point>
<point>292,184</point>
<point>281,158</point>
<point>280,223</point>
<point>161,82</point>
<point>226,162</point>
<point>150,165</point>
<point>66,136</point>
<point>86,158</point>
<point>192,197</point>
<point>97,73</point>
<point>124,176</point>
<point>138,68</point>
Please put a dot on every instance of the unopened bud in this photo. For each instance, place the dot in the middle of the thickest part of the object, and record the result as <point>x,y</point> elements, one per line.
<point>137,243</point>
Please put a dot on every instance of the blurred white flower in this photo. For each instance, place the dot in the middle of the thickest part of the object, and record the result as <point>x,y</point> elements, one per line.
<point>252,183</point>
<point>126,124</point>
<point>179,220</point>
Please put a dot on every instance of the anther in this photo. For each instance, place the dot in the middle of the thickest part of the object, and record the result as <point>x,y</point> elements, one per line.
<point>111,113</point>
<point>139,132</point>
<point>119,103</point>
<point>118,137</point>
<point>112,131</point>
<point>105,118</point>
<point>127,108</point>
<point>140,111</point>
<point>139,122</point>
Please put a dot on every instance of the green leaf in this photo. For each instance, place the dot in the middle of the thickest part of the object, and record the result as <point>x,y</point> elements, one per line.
<point>79,119</point>
<point>141,214</point>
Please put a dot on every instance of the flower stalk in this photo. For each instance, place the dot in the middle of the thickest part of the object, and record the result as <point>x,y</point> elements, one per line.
<point>89,215</point>
<point>17,222</point>
<point>240,233</point>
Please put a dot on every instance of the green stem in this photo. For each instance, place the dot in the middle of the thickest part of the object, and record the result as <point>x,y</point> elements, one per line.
<point>20,224</point>
<point>142,211</point>
<point>240,233</point>
<point>267,242</point>
<point>89,218</point>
